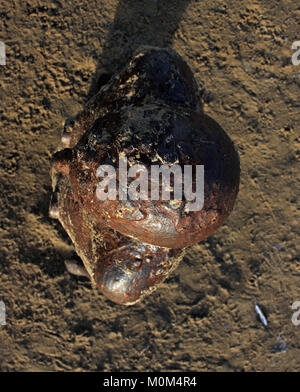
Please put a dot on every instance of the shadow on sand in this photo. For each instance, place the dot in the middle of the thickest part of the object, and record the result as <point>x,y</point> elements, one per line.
<point>136,23</point>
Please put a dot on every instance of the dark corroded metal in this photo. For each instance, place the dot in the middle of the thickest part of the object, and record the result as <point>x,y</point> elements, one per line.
<point>151,114</point>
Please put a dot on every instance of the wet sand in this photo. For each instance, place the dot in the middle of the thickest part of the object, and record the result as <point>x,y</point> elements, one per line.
<point>202,317</point>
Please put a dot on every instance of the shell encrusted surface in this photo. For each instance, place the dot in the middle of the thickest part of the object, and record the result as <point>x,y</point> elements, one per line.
<point>151,114</point>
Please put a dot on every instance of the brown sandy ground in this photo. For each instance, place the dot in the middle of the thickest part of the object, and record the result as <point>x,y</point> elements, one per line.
<point>203,317</point>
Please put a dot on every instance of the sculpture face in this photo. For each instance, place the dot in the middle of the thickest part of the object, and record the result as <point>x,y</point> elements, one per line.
<point>151,115</point>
